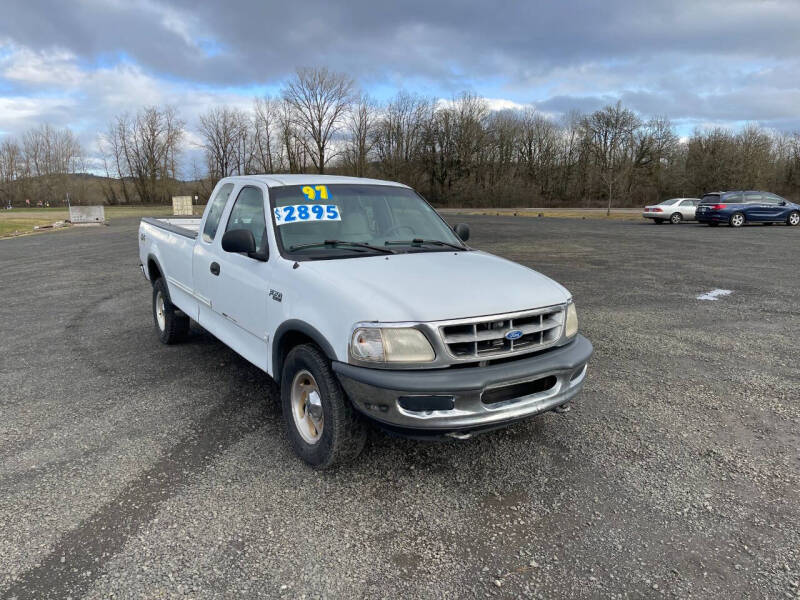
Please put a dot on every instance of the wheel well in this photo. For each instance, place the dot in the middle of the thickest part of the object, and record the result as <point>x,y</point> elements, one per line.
<point>293,333</point>
<point>284,345</point>
<point>153,271</point>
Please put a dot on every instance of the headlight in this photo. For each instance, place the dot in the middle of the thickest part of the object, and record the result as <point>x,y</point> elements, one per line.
<point>571,327</point>
<point>390,344</point>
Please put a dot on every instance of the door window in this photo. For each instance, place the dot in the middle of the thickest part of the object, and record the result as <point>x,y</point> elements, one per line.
<point>687,203</point>
<point>215,212</point>
<point>733,198</point>
<point>752,198</point>
<point>248,213</point>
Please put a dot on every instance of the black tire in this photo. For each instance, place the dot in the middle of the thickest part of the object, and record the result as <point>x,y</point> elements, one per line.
<point>343,431</point>
<point>675,218</point>
<point>735,221</point>
<point>793,220</point>
<point>175,325</point>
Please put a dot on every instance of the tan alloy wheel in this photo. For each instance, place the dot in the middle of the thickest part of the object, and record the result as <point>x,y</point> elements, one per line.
<point>307,407</point>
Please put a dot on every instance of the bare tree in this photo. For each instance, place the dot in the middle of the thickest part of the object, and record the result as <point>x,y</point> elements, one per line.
<point>610,134</point>
<point>144,150</point>
<point>538,148</point>
<point>319,100</point>
<point>51,156</point>
<point>291,139</point>
<point>226,140</point>
<point>359,124</point>
<point>268,152</point>
<point>10,171</point>
<point>402,137</point>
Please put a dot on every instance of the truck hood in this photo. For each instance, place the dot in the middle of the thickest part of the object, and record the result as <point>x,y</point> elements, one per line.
<point>431,286</point>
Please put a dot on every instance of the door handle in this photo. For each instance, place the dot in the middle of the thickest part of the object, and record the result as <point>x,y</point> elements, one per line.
<point>214,268</point>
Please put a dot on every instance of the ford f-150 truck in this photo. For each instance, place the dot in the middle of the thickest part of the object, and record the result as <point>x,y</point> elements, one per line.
<point>362,303</point>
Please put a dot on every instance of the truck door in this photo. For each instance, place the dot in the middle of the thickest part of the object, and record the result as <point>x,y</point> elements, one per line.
<point>235,284</point>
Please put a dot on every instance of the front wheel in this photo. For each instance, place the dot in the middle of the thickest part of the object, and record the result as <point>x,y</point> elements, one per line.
<point>675,218</point>
<point>321,424</point>
<point>172,325</point>
<point>736,220</point>
<point>793,219</point>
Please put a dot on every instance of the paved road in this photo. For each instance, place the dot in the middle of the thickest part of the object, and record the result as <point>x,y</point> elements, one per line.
<point>139,470</point>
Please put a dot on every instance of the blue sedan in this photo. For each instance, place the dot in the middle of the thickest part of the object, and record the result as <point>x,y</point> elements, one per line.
<point>740,207</point>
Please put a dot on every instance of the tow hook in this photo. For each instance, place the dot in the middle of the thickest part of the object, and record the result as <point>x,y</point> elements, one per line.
<point>459,435</point>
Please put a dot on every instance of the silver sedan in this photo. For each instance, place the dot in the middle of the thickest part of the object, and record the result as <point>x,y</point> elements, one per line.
<point>673,210</point>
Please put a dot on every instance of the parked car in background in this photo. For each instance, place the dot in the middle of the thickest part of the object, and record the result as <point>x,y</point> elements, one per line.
<point>739,207</point>
<point>673,210</point>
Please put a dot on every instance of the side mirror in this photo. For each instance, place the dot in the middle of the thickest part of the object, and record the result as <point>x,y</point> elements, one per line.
<point>462,231</point>
<point>239,240</point>
<point>782,202</point>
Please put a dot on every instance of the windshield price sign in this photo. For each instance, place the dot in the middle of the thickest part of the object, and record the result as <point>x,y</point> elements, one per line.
<point>301,213</point>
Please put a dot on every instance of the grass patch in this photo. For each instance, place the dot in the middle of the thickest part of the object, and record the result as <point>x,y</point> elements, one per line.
<point>18,221</point>
<point>17,226</point>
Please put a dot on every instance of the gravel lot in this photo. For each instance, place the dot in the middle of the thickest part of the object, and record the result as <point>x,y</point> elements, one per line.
<point>136,470</point>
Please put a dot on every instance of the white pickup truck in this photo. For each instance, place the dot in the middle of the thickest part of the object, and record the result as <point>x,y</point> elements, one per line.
<point>362,303</point>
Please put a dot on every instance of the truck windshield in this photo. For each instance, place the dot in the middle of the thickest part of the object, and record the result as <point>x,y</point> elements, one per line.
<point>343,220</point>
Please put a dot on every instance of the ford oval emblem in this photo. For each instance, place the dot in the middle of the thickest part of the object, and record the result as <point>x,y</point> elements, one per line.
<point>514,334</point>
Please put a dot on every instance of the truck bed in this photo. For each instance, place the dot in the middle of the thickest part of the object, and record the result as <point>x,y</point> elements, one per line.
<point>187,227</point>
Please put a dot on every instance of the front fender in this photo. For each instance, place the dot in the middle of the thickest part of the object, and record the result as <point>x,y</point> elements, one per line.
<point>285,334</point>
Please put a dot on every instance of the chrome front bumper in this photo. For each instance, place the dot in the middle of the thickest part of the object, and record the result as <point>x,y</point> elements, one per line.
<point>385,395</point>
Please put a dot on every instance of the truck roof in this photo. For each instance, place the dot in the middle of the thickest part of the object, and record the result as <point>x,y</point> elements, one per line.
<point>281,179</point>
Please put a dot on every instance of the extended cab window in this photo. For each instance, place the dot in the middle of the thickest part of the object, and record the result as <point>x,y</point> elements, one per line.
<point>248,213</point>
<point>215,212</point>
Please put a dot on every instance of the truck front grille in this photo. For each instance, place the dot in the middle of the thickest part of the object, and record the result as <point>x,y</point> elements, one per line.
<point>488,337</point>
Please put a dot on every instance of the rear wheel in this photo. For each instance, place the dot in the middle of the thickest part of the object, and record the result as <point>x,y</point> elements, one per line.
<point>793,219</point>
<point>321,424</point>
<point>172,325</point>
<point>736,220</point>
<point>675,218</point>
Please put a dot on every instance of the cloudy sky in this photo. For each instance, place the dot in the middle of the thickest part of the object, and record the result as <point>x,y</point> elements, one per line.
<point>701,63</point>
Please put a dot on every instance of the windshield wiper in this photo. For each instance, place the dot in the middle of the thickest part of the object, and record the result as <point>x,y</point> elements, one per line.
<point>335,243</point>
<point>419,242</point>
